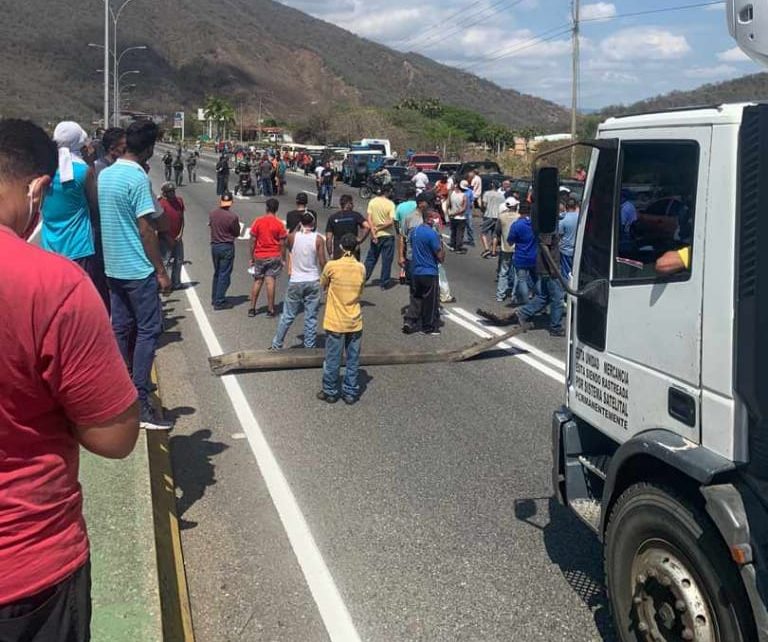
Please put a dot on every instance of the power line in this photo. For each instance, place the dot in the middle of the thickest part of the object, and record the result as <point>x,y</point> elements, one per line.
<point>650,11</point>
<point>440,23</point>
<point>505,52</point>
<point>461,27</point>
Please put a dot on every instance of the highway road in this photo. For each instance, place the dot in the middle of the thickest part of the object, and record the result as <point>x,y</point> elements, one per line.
<point>423,512</point>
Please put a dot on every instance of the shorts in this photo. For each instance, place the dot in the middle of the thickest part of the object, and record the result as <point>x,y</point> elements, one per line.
<point>267,267</point>
<point>488,226</point>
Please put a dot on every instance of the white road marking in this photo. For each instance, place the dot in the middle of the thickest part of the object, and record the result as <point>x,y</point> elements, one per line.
<point>239,435</point>
<point>506,345</point>
<point>333,611</point>
<point>205,179</point>
<point>557,363</point>
<point>240,197</point>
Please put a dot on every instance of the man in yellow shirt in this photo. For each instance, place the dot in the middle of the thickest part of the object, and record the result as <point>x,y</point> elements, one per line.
<point>344,280</point>
<point>381,217</point>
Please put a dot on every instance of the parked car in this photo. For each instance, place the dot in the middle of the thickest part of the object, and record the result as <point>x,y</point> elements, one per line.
<point>434,175</point>
<point>425,161</point>
<point>448,168</point>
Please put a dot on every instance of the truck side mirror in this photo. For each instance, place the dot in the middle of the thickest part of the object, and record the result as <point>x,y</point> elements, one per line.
<point>546,193</point>
<point>748,25</point>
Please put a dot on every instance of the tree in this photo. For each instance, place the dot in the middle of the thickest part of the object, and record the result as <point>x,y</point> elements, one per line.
<point>220,112</point>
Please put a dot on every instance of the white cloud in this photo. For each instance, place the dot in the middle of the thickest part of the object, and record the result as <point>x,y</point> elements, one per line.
<point>710,73</point>
<point>644,43</point>
<point>598,10</point>
<point>733,55</point>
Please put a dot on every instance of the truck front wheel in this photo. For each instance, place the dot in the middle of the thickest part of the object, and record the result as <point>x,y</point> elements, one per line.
<point>669,575</point>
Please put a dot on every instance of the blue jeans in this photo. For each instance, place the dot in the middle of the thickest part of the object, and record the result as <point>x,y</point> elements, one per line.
<point>136,311</point>
<point>506,282</point>
<point>266,186</point>
<point>469,230</point>
<point>335,344</point>
<point>326,194</point>
<point>566,265</point>
<point>524,284</point>
<point>384,248</point>
<point>548,292</point>
<point>223,255</point>
<point>298,296</point>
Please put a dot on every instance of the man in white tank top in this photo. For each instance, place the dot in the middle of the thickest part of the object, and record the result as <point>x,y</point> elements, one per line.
<point>307,249</point>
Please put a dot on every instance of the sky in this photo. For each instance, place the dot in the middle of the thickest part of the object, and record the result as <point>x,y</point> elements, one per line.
<point>526,44</point>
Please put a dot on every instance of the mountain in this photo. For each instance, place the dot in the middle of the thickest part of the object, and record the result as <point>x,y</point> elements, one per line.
<point>744,89</point>
<point>245,50</point>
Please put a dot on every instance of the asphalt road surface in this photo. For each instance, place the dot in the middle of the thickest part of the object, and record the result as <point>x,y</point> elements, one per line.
<point>423,512</point>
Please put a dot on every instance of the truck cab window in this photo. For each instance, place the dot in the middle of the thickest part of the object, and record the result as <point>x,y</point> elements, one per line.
<point>596,250</point>
<point>654,219</point>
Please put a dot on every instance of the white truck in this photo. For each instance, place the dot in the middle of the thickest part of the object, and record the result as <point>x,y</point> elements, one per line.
<point>662,443</point>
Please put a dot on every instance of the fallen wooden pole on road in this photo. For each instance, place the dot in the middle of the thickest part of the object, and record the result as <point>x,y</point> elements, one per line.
<point>313,358</point>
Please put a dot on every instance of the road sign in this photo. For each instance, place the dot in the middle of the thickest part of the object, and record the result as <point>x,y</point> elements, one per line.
<point>178,120</point>
<point>201,114</point>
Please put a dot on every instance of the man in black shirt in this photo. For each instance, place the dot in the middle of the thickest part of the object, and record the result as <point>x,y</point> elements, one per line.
<point>347,221</point>
<point>222,175</point>
<point>293,218</point>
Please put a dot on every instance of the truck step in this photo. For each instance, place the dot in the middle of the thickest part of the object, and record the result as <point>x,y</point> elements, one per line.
<point>588,510</point>
<point>596,464</point>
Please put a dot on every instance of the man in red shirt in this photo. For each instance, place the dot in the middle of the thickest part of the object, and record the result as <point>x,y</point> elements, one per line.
<point>267,237</point>
<point>171,232</point>
<point>63,385</point>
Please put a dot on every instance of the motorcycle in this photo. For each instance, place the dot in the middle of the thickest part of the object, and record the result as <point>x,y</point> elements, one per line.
<point>245,184</point>
<point>371,188</point>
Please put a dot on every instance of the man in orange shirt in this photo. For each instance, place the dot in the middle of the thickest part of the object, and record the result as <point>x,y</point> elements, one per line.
<point>267,237</point>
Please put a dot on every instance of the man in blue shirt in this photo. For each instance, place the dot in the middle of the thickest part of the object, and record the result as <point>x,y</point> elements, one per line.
<point>522,237</point>
<point>569,221</point>
<point>427,253</point>
<point>132,261</point>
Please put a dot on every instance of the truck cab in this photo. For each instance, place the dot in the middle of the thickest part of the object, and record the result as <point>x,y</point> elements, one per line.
<point>661,445</point>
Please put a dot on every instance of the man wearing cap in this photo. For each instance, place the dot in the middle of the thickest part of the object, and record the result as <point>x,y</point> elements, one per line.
<point>171,243</point>
<point>225,229</point>
<point>425,249</point>
<point>508,214</point>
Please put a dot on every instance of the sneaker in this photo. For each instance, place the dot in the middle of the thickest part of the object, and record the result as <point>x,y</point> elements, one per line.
<point>223,306</point>
<point>408,329</point>
<point>327,398</point>
<point>560,332</point>
<point>349,400</point>
<point>149,420</point>
<point>450,299</point>
<point>252,312</point>
<point>431,333</point>
<point>485,254</point>
<point>273,349</point>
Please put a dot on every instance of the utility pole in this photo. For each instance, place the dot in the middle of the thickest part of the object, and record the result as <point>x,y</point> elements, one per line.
<point>106,64</point>
<point>241,121</point>
<point>259,123</point>
<point>575,96</point>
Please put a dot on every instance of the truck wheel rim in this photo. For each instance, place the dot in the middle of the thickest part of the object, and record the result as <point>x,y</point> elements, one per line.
<point>669,603</point>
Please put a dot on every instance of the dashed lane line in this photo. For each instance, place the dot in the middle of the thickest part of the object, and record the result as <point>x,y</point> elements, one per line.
<point>540,354</point>
<point>506,345</point>
<point>336,618</point>
<point>206,179</point>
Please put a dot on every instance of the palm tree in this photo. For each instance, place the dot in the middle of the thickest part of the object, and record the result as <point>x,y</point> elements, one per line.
<point>219,111</point>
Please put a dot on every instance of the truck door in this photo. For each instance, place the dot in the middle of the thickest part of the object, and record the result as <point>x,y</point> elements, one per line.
<point>636,353</point>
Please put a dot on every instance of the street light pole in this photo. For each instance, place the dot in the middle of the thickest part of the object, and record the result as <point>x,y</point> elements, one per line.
<point>106,64</point>
<point>116,60</point>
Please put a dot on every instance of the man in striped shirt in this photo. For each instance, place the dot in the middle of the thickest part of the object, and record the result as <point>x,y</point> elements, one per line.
<point>344,280</point>
<point>132,261</point>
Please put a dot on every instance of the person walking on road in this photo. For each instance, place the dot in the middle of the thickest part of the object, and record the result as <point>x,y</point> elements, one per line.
<point>307,249</point>
<point>222,175</point>
<point>113,144</point>
<point>493,201</point>
<point>505,286</point>
<point>133,262</point>
<point>549,291</point>
<point>326,185</point>
<point>70,213</point>
<point>171,243</point>
<point>381,218</point>
<point>191,167</point>
<point>343,279</point>
<point>267,237</point>
<point>168,164</point>
<point>457,215</point>
<point>225,229</point>
<point>346,221</point>
<point>63,386</point>
<point>178,170</point>
<point>426,254</point>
